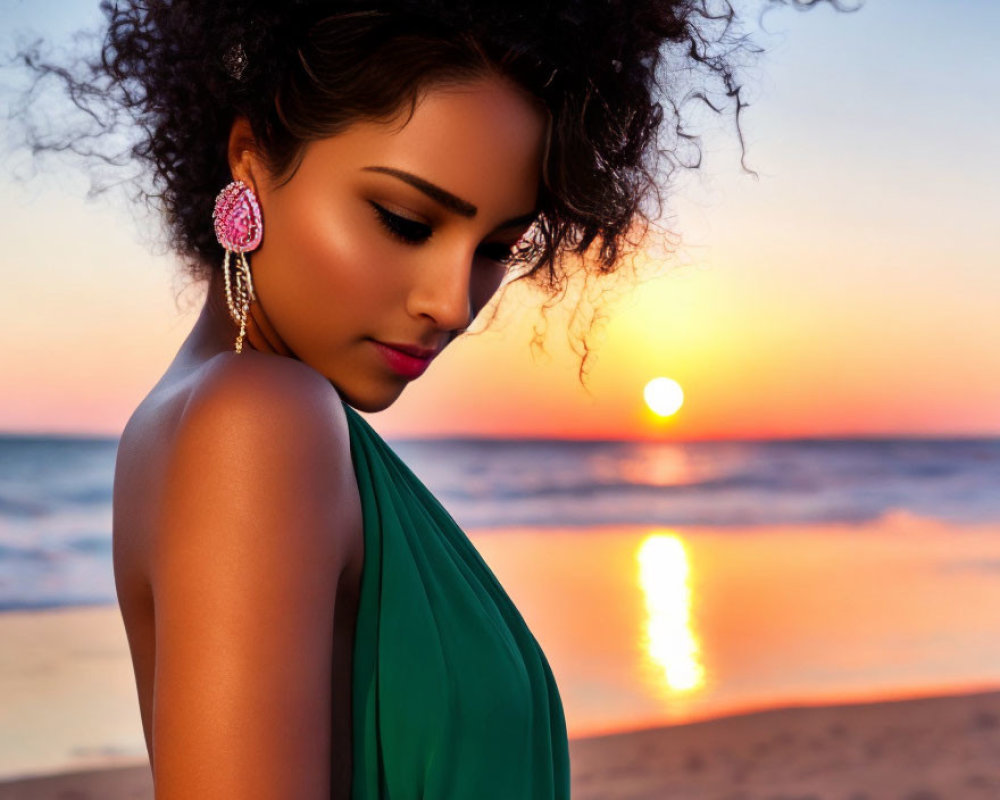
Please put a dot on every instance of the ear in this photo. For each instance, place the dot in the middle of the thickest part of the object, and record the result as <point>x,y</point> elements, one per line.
<point>244,162</point>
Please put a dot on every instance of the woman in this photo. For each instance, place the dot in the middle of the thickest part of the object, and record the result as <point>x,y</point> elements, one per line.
<point>353,181</point>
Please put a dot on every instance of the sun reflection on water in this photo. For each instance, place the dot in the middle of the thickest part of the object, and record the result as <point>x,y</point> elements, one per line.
<point>670,642</point>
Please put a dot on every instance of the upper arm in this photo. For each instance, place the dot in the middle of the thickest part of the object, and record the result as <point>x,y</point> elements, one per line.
<point>260,505</point>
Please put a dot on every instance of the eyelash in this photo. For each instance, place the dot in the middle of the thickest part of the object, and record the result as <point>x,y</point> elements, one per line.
<point>411,232</point>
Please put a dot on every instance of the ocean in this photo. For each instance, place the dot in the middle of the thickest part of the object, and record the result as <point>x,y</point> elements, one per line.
<point>55,493</point>
<point>665,582</point>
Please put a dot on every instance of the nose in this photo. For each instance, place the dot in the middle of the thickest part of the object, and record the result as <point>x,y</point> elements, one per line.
<point>442,292</point>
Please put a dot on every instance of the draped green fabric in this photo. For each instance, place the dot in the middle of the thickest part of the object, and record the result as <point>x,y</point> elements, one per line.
<point>453,696</point>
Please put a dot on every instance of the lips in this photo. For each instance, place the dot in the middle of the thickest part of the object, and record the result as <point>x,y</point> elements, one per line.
<point>412,350</point>
<point>404,362</point>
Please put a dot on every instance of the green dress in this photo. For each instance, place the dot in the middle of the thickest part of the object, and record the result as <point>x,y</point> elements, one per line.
<point>453,697</point>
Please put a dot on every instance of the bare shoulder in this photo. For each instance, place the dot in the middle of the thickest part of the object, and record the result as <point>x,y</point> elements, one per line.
<point>254,383</point>
<point>259,518</point>
<point>272,433</point>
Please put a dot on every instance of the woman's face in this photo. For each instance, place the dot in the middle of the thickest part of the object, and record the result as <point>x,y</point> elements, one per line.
<point>396,235</point>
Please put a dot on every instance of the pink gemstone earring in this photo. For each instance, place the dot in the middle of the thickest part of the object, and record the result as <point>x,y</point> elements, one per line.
<point>239,228</point>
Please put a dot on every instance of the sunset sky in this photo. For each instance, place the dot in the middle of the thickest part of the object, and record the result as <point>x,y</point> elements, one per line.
<point>851,290</point>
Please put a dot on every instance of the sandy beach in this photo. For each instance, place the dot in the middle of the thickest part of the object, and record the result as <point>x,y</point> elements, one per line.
<point>935,748</point>
<point>756,677</point>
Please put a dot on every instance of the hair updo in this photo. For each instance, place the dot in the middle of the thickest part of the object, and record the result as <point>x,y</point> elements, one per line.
<point>176,73</point>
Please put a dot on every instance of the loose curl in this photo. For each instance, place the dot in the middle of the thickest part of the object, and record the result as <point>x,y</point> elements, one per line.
<point>176,73</point>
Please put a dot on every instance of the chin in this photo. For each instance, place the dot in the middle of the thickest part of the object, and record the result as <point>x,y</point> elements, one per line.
<point>371,401</point>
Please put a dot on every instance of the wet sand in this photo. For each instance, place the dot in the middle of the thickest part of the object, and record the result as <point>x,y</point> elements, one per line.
<point>935,748</point>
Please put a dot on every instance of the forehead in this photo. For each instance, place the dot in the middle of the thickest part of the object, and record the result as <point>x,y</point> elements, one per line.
<point>482,140</point>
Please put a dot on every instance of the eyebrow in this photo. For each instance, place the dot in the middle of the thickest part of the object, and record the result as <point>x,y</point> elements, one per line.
<point>445,198</point>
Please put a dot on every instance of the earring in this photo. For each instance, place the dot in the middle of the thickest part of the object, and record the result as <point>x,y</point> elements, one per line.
<point>239,229</point>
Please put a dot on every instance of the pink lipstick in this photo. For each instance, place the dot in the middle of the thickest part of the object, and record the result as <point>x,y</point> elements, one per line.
<point>409,363</point>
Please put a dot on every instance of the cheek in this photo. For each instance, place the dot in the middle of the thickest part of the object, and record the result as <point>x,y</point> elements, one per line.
<point>325,268</point>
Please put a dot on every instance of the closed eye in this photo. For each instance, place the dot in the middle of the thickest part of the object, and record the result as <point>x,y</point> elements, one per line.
<point>406,230</point>
<point>412,232</point>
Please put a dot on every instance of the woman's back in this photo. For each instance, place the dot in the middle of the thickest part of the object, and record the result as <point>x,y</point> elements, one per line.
<point>233,488</point>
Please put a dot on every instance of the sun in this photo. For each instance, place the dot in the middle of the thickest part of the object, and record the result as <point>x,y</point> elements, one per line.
<point>664,396</point>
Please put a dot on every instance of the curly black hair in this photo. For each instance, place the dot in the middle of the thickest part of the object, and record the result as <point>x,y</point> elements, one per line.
<point>611,73</point>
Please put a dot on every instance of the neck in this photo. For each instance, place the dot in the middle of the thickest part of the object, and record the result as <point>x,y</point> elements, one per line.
<point>215,330</point>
